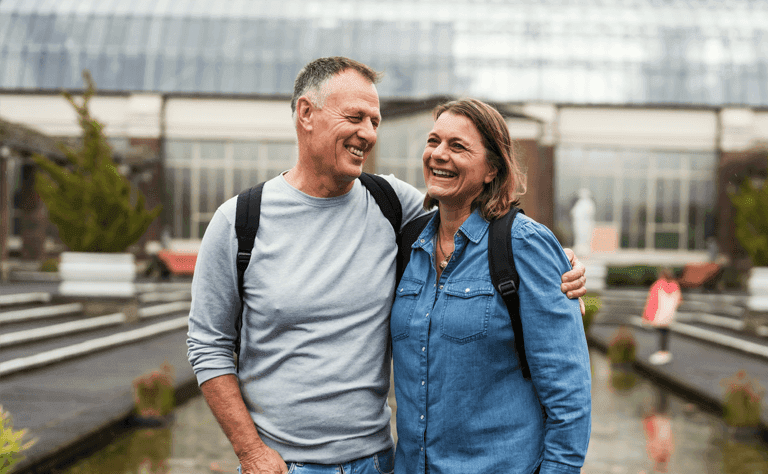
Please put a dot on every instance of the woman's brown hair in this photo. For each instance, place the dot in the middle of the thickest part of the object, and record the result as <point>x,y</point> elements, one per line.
<point>499,195</point>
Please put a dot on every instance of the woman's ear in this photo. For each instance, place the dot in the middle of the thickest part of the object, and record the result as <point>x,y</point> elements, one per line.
<point>492,171</point>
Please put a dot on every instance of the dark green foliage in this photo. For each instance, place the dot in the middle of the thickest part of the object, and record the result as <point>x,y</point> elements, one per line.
<point>91,203</point>
<point>635,275</point>
<point>751,204</point>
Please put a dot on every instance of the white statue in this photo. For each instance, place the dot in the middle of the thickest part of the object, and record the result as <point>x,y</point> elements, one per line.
<point>583,219</point>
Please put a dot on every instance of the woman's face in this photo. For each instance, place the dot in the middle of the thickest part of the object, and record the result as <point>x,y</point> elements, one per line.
<point>455,167</point>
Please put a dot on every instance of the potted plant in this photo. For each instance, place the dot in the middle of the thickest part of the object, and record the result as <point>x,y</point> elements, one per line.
<point>96,210</point>
<point>751,203</point>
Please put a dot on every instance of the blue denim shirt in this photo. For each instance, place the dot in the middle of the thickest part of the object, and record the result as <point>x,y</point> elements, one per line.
<point>462,402</point>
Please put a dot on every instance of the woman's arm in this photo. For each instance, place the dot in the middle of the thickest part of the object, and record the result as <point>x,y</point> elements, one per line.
<point>555,347</point>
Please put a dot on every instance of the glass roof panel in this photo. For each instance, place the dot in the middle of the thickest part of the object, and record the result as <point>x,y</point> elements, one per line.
<point>5,27</point>
<point>588,51</point>
<point>11,72</point>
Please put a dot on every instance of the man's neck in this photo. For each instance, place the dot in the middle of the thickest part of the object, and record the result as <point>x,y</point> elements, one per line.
<point>316,184</point>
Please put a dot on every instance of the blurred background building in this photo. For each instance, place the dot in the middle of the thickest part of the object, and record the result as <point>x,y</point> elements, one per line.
<point>657,106</point>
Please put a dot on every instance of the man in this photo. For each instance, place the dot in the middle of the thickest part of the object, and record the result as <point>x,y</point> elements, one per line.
<point>315,358</point>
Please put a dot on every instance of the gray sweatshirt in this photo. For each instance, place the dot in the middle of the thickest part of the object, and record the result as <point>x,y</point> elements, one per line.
<point>315,353</point>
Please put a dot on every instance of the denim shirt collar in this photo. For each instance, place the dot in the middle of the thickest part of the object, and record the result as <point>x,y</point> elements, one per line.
<point>473,228</point>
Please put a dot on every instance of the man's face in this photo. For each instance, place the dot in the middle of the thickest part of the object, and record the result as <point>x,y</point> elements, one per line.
<point>344,130</point>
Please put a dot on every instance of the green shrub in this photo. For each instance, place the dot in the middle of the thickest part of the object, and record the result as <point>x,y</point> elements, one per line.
<point>153,393</point>
<point>10,442</point>
<point>743,400</point>
<point>592,304</point>
<point>50,265</point>
<point>751,203</point>
<point>94,207</point>
<point>621,349</point>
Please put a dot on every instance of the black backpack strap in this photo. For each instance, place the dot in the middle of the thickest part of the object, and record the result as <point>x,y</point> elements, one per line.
<point>505,278</point>
<point>405,240</point>
<point>386,197</point>
<point>246,225</point>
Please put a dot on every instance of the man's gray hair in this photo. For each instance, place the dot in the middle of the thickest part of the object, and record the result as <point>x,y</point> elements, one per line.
<point>316,74</point>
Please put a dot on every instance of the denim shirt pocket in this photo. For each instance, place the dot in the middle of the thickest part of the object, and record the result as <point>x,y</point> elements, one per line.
<point>466,310</point>
<point>406,294</point>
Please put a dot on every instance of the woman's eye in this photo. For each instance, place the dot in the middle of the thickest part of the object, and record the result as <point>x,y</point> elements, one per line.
<point>458,146</point>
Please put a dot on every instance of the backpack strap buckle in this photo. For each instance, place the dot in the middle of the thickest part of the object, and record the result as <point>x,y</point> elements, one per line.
<point>243,258</point>
<point>507,288</point>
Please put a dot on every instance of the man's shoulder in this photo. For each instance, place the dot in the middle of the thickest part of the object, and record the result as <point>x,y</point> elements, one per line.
<point>400,186</point>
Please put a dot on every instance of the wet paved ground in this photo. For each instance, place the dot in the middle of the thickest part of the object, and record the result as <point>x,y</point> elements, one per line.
<point>194,444</point>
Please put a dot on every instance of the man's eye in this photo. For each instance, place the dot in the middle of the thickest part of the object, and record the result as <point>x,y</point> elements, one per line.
<point>431,140</point>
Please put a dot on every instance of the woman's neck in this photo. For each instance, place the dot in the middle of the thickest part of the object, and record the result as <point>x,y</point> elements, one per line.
<point>451,219</point>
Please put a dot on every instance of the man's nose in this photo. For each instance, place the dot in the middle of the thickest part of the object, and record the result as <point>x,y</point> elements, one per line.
<point>367,131</point>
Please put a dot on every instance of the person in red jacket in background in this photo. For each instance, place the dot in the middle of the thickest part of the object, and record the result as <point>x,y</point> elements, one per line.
<point>663,299</point>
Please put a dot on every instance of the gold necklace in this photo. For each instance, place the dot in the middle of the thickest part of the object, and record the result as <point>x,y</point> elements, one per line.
<point>444,263</point>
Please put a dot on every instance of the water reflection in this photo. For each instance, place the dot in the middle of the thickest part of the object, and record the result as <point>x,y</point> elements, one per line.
<point>639,428</point>
<point>636,428</point>
<point>192,443</point>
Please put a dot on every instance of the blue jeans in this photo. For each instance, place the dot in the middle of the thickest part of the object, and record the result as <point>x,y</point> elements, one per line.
<point>379,463</point>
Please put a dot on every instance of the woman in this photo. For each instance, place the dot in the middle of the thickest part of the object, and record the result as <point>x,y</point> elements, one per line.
<point>661,305</point>
<point>463,405</point>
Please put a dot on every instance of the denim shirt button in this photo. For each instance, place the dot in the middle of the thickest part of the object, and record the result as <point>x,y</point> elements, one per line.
<point>466,291</point>
<point>422,417</point>
<point>423,349</point>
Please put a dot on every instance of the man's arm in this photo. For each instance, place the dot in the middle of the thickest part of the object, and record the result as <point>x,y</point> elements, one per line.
<point>211,341</point>
<point>226,402</point>
<point>575,280</point>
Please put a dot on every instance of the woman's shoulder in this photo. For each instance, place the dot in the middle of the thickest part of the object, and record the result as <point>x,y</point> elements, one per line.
<point>524,226</point>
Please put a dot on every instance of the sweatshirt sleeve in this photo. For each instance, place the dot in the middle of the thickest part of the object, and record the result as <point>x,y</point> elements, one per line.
<point>215,300</point>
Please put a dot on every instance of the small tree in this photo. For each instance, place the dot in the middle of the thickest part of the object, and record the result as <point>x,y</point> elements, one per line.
<point>94,207</point>
<point>751,204</point>
<point>10,442</point>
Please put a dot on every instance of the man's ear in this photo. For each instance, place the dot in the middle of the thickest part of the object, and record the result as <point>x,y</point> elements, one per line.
<point>304,110</point>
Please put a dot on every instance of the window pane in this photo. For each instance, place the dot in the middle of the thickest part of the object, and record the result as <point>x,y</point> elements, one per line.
<point>281,155</point>
<point>667,240</point>
<point>633,213</point>
<point>668,201</point>
<point>179,152</point>
<point>245,152</point>
<point>211,151</point>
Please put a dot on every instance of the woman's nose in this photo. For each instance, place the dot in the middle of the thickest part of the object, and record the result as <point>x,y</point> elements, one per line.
<point>439,152</point>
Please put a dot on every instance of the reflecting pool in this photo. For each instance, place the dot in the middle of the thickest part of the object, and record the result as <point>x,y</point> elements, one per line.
<point>636,428</point>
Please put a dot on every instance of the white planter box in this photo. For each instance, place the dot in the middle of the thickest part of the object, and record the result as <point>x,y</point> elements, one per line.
<point>97,274</point>
<point>757,285</point>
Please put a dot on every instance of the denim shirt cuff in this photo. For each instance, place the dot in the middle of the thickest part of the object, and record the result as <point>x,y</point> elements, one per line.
<point>552,467</point>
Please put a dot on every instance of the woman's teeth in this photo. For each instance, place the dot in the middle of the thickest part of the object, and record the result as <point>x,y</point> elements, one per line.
<point>446,174</point>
